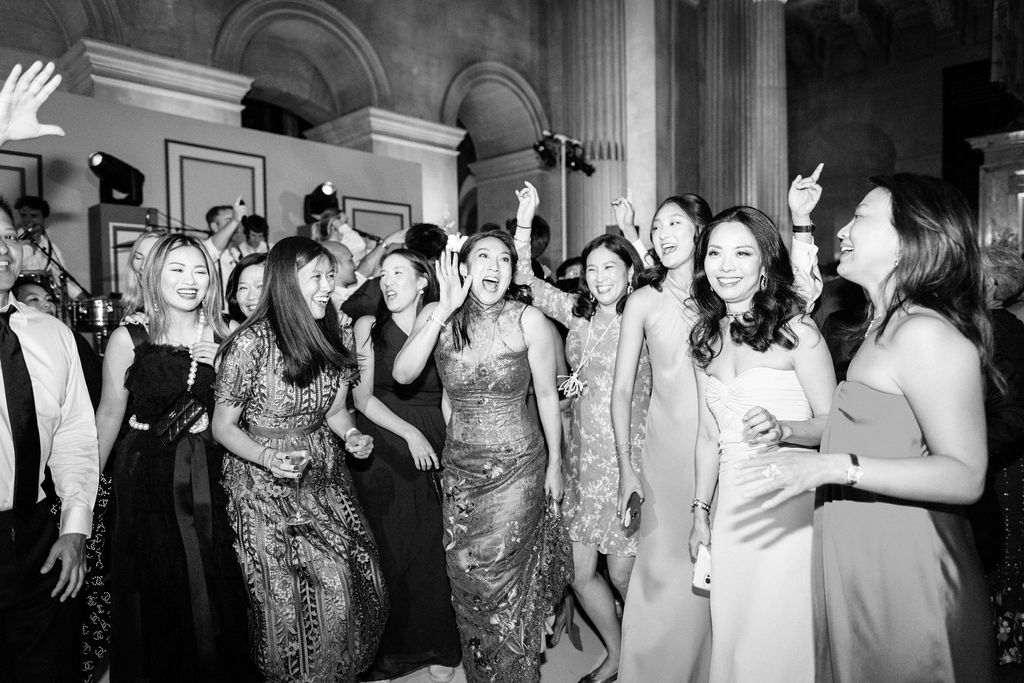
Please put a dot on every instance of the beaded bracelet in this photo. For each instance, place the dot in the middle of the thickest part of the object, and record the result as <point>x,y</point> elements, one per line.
<point>698,503</point>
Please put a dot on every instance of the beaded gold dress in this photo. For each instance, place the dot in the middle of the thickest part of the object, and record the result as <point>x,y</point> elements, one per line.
<point>507,552</point>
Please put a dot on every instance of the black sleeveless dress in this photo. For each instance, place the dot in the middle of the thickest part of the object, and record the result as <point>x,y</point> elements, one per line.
<point>403,507</point>
<point>179,603</point>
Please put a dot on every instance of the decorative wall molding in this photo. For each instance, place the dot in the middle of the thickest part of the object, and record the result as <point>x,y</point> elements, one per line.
<point>143,79</point>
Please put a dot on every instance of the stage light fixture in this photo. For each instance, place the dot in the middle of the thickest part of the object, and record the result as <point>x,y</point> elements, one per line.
<point>322,198</point>
<point>120,182</point>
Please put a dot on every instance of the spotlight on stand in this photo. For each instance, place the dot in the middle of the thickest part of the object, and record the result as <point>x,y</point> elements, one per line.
<point>547,149</point>
<point>120,183</point>
<point>324,197</point>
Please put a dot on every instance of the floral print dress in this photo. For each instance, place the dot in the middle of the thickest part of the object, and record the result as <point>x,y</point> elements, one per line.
<point>591,467</point>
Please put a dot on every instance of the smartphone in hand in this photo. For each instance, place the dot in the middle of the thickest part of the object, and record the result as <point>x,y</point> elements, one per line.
<point>631,520</point>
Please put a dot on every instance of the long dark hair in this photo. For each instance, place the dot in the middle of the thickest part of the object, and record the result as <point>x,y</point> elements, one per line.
<point>460,320</point>
<point>699,213</point>
<point>939,259</point>
<point>234,310</point>
<point>586,304</point>
<point>424,269</point>
<point>309,346</point>
<point>772,307</point>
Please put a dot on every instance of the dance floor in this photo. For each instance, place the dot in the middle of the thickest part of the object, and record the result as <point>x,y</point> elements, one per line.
<point>564,664</point>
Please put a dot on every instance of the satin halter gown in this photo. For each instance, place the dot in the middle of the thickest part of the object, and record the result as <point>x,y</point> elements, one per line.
<point>761,614</point>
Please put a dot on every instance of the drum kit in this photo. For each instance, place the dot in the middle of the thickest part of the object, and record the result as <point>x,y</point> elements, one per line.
<point>99,315</point>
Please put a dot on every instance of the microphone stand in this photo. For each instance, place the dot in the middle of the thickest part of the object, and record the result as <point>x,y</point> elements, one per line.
<point>64,273</point>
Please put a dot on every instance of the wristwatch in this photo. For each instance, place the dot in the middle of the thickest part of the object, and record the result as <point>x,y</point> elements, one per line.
<point>803,228</point>
<point>854,472</point>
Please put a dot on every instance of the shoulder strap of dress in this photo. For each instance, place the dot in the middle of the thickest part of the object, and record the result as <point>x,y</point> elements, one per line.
<point>138,333</point>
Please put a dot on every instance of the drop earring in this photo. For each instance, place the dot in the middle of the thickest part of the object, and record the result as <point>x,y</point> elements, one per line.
<point>763,282</point>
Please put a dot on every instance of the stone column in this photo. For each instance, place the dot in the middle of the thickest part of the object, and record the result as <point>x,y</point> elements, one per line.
<point>595,102</point>
<point>766,167</point>
<point>744,154</point>
<point>432,145</point>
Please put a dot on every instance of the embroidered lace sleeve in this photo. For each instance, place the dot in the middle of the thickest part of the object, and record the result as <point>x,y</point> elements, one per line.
<point>241,365</point>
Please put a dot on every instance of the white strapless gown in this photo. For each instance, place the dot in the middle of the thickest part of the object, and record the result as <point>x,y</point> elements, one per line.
<point>761,613</point>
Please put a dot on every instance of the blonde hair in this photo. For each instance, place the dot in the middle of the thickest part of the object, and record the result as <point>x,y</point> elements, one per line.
<point>154,304</point>
<point>132,297</point>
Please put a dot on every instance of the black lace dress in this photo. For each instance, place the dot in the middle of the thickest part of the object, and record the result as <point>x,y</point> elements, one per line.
<point>179,602</point>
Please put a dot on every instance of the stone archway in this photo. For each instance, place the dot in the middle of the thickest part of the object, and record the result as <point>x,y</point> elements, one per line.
<point>503,117</point>
<point>272,40</point>
<point>497,106</point>
<point>49,28</point>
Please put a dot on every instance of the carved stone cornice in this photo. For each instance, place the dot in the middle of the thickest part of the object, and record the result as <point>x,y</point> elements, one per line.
<point>143,79</point>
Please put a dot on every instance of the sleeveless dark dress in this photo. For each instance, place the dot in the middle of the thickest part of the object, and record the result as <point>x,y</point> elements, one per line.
<point>403,506</point>
<point>179,603</point>
<point>900,593</point>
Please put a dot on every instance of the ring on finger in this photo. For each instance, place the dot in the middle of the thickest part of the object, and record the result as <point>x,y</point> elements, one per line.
<point>773,471</point>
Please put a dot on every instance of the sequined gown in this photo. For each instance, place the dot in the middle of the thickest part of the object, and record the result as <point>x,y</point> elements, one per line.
<point>178,597</point>
<point>508,556</point>
<point>590,465</point>
<point>760,559</point>
<point>899,591</point>
<point>316,591</point>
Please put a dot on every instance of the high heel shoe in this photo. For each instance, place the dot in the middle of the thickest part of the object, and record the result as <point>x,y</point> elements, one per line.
<point>592,678</point>
<point>563,620</point>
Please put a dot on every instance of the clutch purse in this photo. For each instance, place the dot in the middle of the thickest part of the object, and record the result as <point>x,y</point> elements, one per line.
<point>182,417</point>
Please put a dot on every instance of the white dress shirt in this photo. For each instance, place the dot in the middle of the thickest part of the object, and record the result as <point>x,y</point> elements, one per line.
<point>64,414</point>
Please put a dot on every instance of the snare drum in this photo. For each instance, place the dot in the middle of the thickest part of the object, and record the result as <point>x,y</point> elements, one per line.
<point>97,314</point>
<point>43,278</point>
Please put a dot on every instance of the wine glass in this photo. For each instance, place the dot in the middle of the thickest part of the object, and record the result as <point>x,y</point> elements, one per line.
<point>296,453</point>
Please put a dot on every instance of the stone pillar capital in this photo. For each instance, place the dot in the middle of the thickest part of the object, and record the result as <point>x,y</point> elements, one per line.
<point>143,79</point>
<point>370,126</point>
<point>512,165</point>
